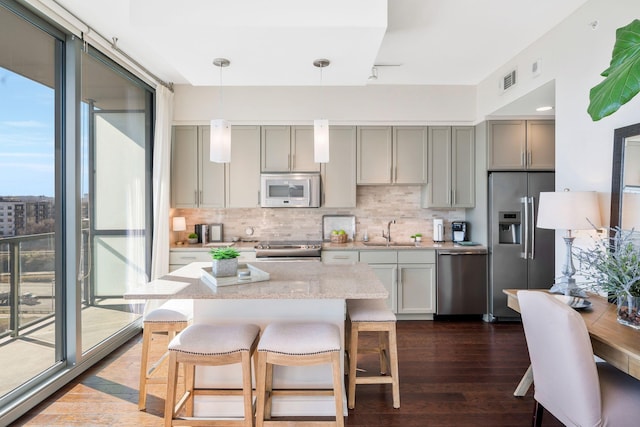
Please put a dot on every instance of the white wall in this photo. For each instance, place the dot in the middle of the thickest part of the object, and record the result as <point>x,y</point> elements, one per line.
<point>341,105</point>
<point>574,55</point>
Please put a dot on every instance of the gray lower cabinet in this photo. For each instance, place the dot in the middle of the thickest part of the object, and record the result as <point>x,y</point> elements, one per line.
<point>339,257</point>
<point>196,182</point>
<point>408,275</point>
<point>181,257</point>
<point>451,168</point>
<point>339,175</point>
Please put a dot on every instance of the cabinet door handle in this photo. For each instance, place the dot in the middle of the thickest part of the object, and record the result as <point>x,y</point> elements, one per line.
<point>453,197</point>
<point>293,162</point>
<point>200,196</point>
<point>195,197</point>
<point>523,160</point>
<point>340,257</point>
<point>289,161</point>
<point>395,174</point>
<point>529,158</point>
<point>187,257</point>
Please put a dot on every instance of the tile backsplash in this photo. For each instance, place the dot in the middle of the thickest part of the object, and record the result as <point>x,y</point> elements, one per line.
<point>376,206</point>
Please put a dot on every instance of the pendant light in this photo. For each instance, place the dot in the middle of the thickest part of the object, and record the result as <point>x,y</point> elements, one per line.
<point>321,127</point>
<point>220,143</point>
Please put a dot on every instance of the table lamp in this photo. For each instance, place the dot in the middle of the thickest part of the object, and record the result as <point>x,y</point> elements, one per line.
<point>568,210</point>
<point>179,224</point>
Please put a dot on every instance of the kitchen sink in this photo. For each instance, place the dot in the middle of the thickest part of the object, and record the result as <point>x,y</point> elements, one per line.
<point>391,244</point>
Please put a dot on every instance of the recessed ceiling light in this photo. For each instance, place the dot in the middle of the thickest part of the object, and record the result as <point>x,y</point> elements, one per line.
<point>545,108</point>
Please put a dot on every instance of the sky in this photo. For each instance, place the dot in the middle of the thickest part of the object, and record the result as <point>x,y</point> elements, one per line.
<point>27,149</point>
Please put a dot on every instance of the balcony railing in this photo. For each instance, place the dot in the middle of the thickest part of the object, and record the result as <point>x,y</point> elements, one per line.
<point>27,282</point>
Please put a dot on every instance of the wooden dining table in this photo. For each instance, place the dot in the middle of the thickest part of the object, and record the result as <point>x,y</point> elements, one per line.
<point>612,341</point>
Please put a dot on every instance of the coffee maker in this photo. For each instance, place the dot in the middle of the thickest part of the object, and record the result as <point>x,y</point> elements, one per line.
<point>459,231</point>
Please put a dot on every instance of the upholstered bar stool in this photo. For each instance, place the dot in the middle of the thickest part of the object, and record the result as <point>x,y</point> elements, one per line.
<point>372,316</point>
<point>170,318</point>
<point>209,345</point>
<point>297,344</point>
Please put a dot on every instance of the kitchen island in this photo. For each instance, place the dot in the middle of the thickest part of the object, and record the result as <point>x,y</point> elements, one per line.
<point>296,291</point>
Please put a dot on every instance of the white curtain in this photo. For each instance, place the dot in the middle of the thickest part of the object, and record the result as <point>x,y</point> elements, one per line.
<point>161,182</point>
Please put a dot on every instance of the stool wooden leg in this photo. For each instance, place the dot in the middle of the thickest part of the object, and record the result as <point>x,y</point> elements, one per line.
<point>189,385</point>
<point>172,382</point>
<point>353,365</point>
<point>337,389</point>
<point>261,374</point>
<point>142,394</point>
<point>383,352</point>
<point>247,389</point>
<point>393,361</point>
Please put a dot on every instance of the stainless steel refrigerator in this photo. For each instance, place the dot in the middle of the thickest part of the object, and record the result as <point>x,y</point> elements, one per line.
<point>521,256</point>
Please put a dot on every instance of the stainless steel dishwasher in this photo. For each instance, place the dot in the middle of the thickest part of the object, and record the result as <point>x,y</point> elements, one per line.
<point>461,282</point>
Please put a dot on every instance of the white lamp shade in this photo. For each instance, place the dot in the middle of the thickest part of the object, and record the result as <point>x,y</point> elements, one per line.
<point>220,144</point>
<point>569,210</point>
<point>179,223</point>
<point>321,141</point>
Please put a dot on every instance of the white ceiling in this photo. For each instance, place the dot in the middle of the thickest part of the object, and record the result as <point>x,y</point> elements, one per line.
<point>275,42</point>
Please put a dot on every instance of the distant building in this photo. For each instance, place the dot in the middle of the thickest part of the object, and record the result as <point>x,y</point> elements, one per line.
<point>23,215</point>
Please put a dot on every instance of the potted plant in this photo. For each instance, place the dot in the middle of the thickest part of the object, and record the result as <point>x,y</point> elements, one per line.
<point>225,262</point>
<point>417,237</point>
<point>622,79</point>
<point>192,238</point>
<point>612,266</point>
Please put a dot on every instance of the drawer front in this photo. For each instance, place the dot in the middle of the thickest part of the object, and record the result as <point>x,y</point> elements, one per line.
<point>417,257</point>
<point>186,257</point>
<point>379,257</point>
<point>339,257</point>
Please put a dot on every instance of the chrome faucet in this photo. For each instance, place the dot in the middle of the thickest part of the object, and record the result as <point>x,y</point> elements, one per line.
<point>388,235</point>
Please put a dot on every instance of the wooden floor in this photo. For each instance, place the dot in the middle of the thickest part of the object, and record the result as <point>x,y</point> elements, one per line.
<point>452,373</point>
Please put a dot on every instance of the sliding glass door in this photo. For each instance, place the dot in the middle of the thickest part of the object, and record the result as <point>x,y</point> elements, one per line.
<point>116,137</point>
<point>30,91</point>
<point>75,206</point>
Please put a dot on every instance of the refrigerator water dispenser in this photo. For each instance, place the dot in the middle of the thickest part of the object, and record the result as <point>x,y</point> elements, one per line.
<point>509,228</point>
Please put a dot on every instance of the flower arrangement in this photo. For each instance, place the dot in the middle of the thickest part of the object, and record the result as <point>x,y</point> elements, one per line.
<point>613,266</point>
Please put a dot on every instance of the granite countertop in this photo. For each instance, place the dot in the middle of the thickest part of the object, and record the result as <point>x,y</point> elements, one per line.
<point>288,280</point>
<point>349,246</point>
<point>401,246</point>
<point>239,246</point>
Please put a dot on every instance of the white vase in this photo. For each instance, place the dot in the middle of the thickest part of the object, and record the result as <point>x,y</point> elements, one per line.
<point>224,267</point>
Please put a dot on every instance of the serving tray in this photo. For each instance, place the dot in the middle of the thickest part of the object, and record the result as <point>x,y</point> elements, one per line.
<point>255,275</point>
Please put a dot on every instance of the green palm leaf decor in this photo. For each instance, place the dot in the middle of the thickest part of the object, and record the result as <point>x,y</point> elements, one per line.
<point>622,78</point>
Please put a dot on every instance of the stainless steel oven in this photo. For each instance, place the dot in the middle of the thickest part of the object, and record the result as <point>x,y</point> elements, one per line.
<point>289,250</point>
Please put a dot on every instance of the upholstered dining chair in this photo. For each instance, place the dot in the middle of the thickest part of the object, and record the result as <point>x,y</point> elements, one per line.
<point>568,382</point>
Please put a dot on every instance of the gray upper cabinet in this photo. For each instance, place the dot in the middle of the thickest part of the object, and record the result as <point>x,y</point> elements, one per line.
<point>374,155</point>
<point>287,149</point>
<point>243,172</point>
<point>541,144</point>
<point>387,155</point>
<point>451,168</point>
<point>339,175</point>
<point>195,181</point>
<point>410,155</point>
<point>521,145</point>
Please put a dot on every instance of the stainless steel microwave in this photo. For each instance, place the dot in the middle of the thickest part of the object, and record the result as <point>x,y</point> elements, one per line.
<point>290,190</point>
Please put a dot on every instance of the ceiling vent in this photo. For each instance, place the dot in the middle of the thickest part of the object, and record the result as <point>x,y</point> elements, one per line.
<point>508,81</point>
